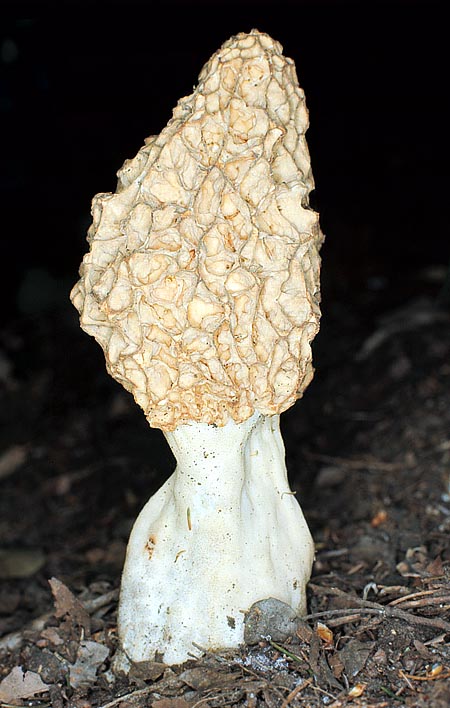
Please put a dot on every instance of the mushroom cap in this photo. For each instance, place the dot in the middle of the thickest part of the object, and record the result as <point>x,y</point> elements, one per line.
<point>202,279</point>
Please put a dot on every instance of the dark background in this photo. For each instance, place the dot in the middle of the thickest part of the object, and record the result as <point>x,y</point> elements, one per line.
<point>82,85</point>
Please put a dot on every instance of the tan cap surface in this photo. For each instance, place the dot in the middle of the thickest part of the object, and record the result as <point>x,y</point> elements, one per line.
<point>202,279</point>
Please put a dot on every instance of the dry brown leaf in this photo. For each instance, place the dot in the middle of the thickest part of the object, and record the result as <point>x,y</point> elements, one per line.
<point>435,567</point>
<point>67,604</point>
<point>51,634</point>
<point>379,518</point>
<point>90,656</point>
<point>436,670</point>
<point>357,690</point>
<point>19,684</point>
<point>324,633</point>
<point>202,678</point>
<point>304,632</point>
<point>147,670</point>
<point>336,665</point>
<point>354,655</point>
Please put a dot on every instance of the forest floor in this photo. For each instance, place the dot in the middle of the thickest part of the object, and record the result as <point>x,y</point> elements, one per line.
<point>368,452</point>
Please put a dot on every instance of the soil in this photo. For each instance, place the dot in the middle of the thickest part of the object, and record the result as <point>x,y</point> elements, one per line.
<point>368,453</point>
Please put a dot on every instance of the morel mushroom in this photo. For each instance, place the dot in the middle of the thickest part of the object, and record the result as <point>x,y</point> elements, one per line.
<point>202,287</point>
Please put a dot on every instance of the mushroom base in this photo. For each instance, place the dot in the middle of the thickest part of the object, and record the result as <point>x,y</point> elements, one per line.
<point>223,532</point>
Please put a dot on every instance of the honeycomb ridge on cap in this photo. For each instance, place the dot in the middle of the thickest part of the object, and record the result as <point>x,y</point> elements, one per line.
<point>202,279</point>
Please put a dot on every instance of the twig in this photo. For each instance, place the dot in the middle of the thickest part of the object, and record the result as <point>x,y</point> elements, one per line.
<point>425,602</point>
<point>383,610</point>
<point>14,705</point>
<point>406,679</point>
<point>411,596</point>
<point>351,612</point>
<point>322,690</point>
<point>289,698</point>
<point>424,678</point>
<point>97,603</point>
<point>435,640</point>
<point>116,701</point>
<point>347,619</point>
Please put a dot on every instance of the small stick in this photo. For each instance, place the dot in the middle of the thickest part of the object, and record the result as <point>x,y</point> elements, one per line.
<point>406,679</point>
<point>382,609</point>
<point>289,698</point>
<point>346,619</point>
<point>411,596</point>
<point>424,678</point>
<point>118,700</point>
<point>351,612</point>
<point>425,602</point>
